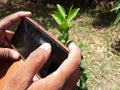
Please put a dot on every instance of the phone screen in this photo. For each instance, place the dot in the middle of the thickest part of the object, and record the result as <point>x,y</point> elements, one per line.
<point>28,37</point>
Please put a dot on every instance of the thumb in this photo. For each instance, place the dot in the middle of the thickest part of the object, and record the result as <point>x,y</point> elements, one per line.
<point>8,54</point>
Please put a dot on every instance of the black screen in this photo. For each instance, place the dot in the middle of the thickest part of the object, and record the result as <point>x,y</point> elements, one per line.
<point>28,37</point>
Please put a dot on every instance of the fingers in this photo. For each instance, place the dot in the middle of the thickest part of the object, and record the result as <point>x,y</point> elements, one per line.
<point>37,59</point>
<point>9,35</point>
<point>8,54</point>
<point>70,64</point>
<point>11,19</point>
<point>5,40</point>
<point>71,82</point>
<point>32,64</point>
<point>24,75</point>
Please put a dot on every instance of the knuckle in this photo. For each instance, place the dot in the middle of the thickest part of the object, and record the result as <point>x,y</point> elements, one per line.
<point>6,54</point>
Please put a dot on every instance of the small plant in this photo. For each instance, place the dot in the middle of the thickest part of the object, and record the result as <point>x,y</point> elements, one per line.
<point>64,24</point>
<point>116,8</point>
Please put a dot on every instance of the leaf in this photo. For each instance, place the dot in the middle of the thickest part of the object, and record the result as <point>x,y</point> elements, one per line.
<point>82,69</point>
<point>60,29</point>
<point>58,18</point>
<point>68,42</point>
<point>70,9</point>
<point>72,14</point>
<point>117,2</point>
<point>61,38</point>
<point>85,76</point>
<point>65,26</point>
<point>116,7</point>
<point>61,10</point>
<point>81,45</point>
<point>117,19</point>
<point>65,36</point>
<point>83,79</point>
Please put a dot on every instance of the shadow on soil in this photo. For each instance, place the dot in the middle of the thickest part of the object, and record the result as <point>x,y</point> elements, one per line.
<point>40,12</point>
<point>103,18</point>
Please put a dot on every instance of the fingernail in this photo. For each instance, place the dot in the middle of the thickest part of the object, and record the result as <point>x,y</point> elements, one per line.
<point>25,11</point>
<point>72,44</point>
<point>46,46</point>
<point>16,55</point>
<point>29,12</point>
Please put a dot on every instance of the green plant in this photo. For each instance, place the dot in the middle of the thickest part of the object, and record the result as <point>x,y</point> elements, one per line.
<point>64,24</point>
<point>116,8</point>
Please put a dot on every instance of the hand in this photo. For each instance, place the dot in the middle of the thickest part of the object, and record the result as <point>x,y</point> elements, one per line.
<point>5,36</point>
<point>64,78</point>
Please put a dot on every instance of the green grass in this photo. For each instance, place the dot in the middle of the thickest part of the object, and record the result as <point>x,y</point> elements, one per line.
<point>92,31</point>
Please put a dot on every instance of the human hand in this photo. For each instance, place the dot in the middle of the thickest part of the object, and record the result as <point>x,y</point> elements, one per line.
<point>64,78</point>
<point>6,53</point>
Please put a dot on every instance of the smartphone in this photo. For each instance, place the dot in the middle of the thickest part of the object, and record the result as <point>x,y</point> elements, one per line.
<point>29,36</point>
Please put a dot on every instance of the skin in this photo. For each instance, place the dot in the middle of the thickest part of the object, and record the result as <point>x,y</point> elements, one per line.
<point>64,78</point>
<point>6,53</point>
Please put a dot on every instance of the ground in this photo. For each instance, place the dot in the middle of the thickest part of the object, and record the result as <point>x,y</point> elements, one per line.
<point>93,33</point>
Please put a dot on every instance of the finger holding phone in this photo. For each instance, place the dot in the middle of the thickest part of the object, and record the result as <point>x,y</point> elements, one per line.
<point>6,53</point>
<point>63,78</point>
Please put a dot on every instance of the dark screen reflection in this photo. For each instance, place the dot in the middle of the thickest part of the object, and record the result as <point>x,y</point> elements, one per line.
<point>29,37</point>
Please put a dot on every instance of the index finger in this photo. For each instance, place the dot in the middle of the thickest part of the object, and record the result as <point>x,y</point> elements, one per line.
<point>6,22</point>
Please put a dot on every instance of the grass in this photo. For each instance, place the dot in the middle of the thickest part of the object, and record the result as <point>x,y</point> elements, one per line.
<point>99,61</point>
<point>92,31</point>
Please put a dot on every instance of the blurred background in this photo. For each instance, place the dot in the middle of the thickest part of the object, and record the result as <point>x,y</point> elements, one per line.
<point>95,29</point>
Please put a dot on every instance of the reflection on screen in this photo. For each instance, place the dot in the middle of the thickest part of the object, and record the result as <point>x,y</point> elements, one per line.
<point>29,37</point>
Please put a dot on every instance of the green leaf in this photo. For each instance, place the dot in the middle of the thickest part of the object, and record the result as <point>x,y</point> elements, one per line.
<point>65,36</point>
<point>81,45</point>
<point>61,38</point>
<point>60,29</point>
<point>58,18</point>
<point>117,19</point>
<point>72,14</point>
<point>85,76</point>
<point>61,10</point>
<point>82,69</point>
<point>70,9</point>
<point>117,2</point>
<point>116,7</point>
<point>68,42</point>
<point>65,26</point>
